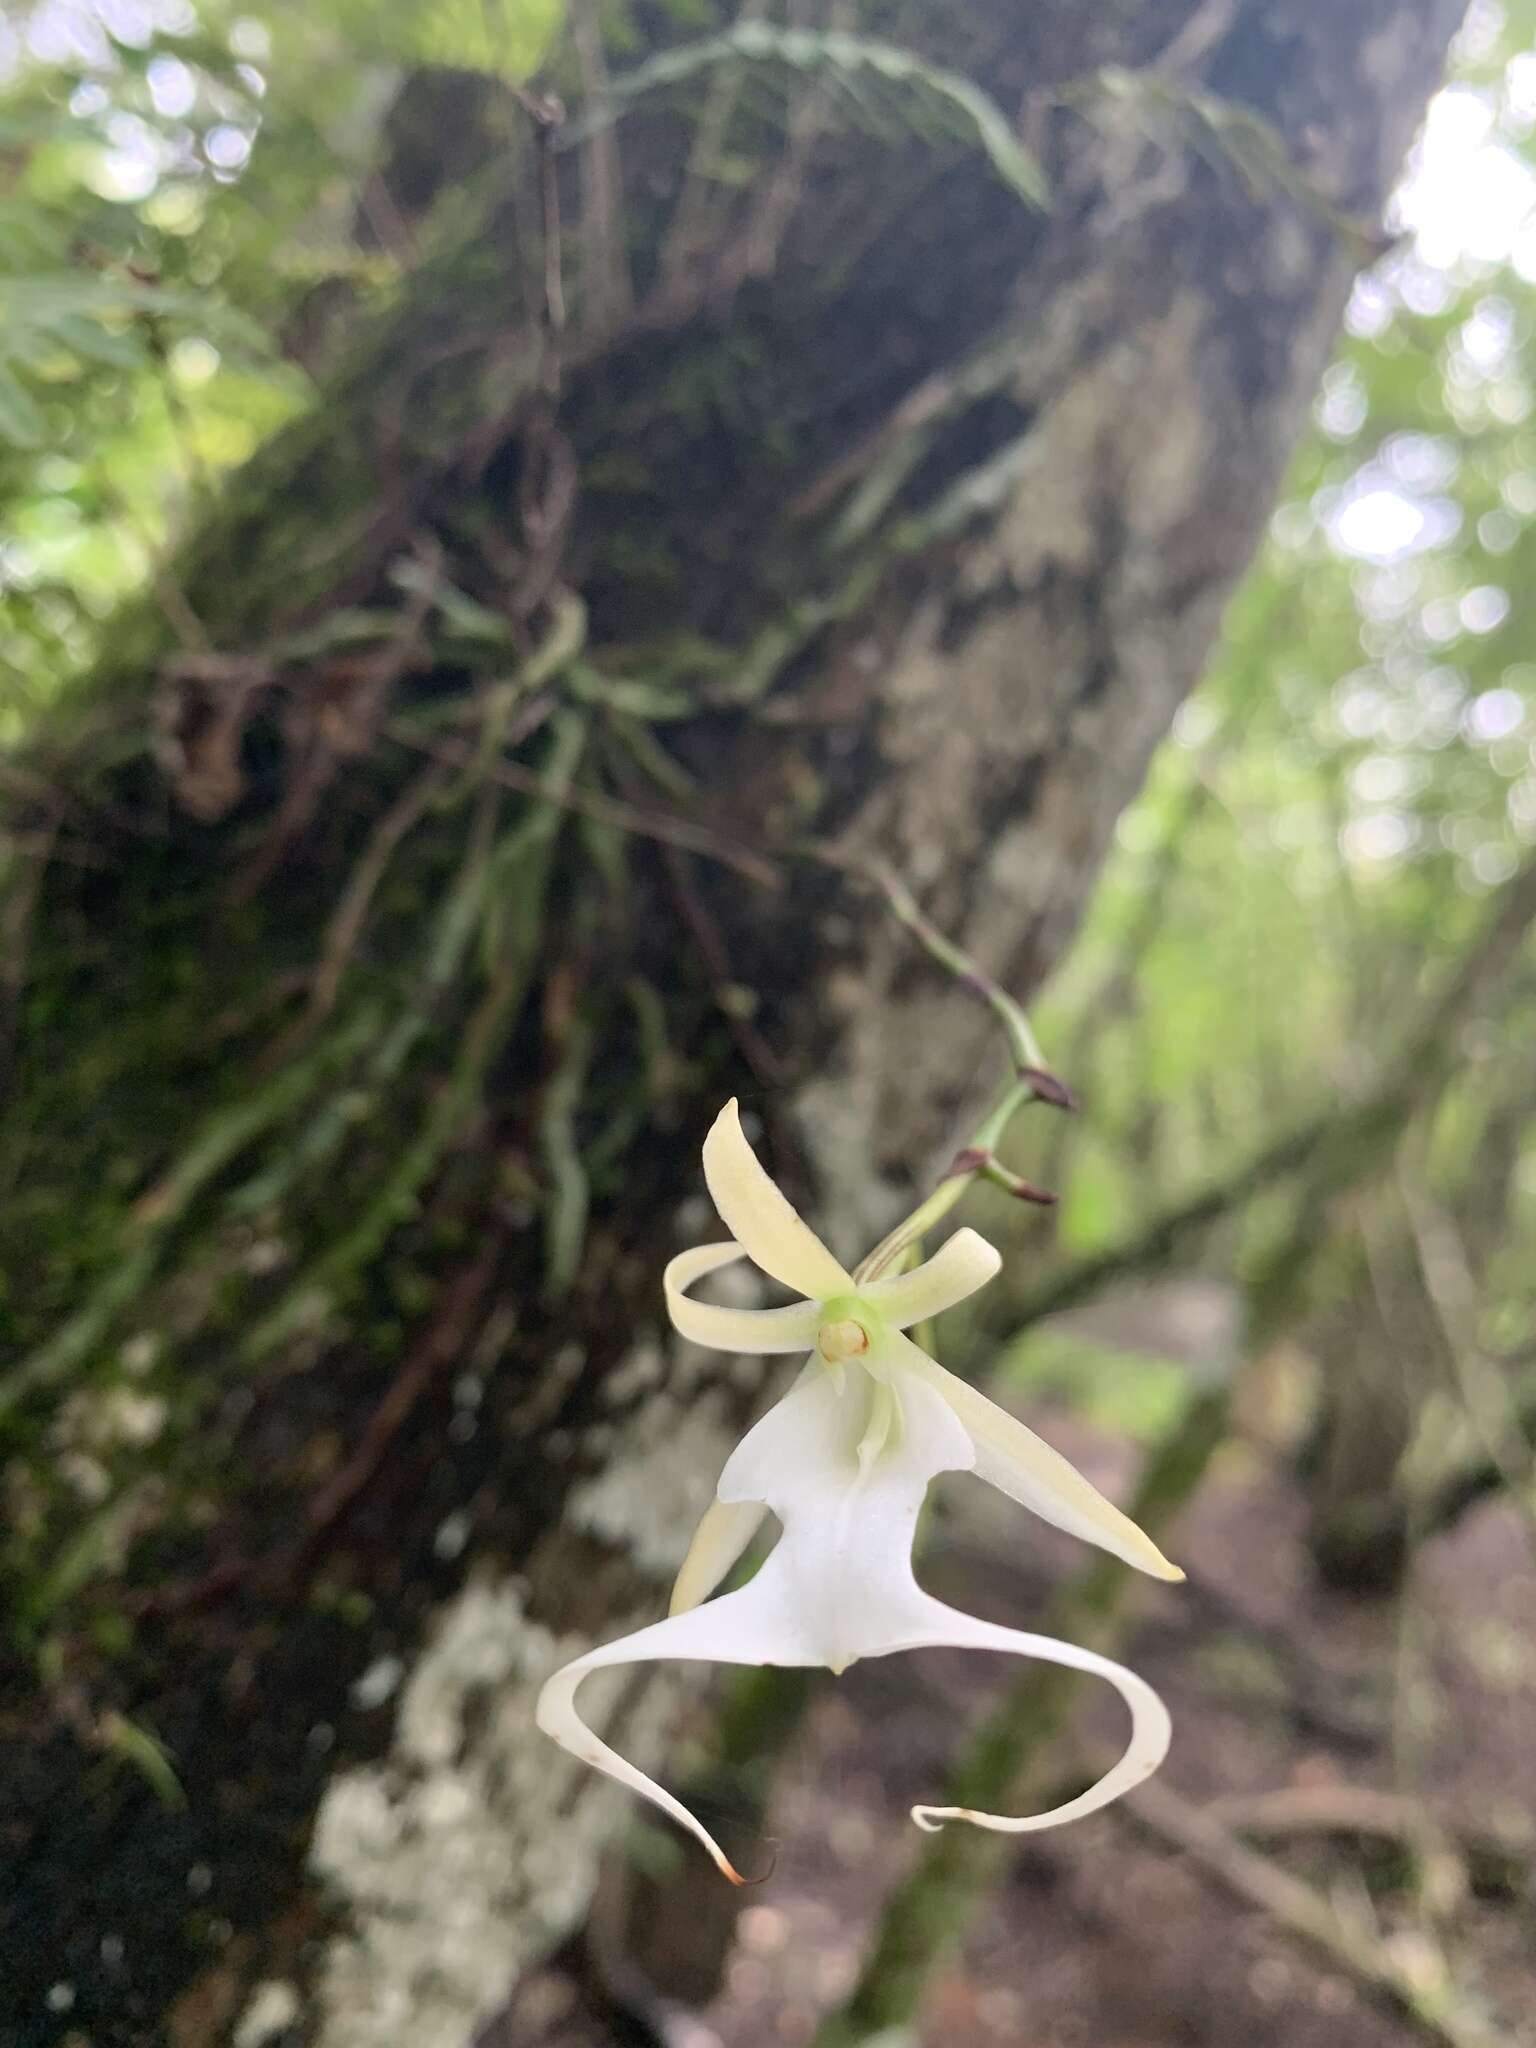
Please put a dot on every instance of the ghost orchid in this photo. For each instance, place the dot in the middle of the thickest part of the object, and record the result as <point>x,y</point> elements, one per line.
<point>844,1460</point>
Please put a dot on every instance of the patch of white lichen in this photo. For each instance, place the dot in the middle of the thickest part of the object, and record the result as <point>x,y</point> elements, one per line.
<point>471,1849</point>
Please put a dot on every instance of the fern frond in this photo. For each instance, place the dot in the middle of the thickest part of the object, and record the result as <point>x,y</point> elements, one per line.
<point>886,83</point>
<point>1223,133</point>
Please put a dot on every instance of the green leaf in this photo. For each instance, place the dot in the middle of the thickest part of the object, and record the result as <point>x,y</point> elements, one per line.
<point>22,422</point>
<point>96,343</point>
<point>146,1752</point>
<point>507,38</point>
<point>926,99</point>
<point>35,305</point>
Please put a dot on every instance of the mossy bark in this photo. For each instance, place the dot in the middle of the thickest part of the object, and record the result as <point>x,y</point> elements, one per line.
<point>364,1042</point>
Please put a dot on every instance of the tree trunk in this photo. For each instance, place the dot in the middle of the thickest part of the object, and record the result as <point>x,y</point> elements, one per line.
<point>418,901</point>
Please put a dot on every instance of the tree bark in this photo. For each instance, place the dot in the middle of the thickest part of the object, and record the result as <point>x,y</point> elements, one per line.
<point>362,1053</point>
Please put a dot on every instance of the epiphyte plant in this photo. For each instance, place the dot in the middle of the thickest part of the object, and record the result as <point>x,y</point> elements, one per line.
<point>844,1460</point>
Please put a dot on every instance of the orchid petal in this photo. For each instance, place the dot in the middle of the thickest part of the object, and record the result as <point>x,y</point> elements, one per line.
<point>752,1626</point>
<point>1151,1728</point>
<point>792,1328</point>
<point>844,1561</point>
<point>961,1265</point>
<point>726,1529</point>
<point>801,1458</point>
<point>1022,1465</point>
<point>759,1216</point>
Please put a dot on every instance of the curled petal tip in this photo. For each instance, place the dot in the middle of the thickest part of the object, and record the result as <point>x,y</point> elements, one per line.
<point>961,1265</point>
<point>752,1331</point>
<point>1150,1725</point>
<point>773,1864</point>
<point>728,1869</point>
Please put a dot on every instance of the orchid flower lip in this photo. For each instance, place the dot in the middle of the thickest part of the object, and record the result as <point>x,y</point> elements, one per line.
<point>844,1461</point>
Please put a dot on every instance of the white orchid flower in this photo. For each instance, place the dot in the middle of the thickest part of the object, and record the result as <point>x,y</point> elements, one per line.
<point>844,1461</point>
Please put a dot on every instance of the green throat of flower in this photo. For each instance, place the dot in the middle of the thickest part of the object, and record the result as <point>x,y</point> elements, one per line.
<point>849,1329</point>
<point>850,1334</point>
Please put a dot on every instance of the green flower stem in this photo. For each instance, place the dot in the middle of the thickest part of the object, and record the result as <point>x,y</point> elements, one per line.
<point>1022,1042</point>
<point>931,1211</point>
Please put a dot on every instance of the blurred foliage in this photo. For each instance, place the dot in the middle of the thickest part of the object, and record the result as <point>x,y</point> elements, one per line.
<point>191,209</point>
<point>184,196</point>
<point>150,250</point>
<point>880,84</point>
<point>1131,1393</point>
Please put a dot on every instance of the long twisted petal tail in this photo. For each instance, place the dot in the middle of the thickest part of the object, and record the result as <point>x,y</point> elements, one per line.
<point>1022,1465</point>
<point>752,1626</point>
<point>726,1529</point>
<point>792,1328</point>
<point>1150,1725</point>
<point>761,1219</point>
<point>961,1265</point>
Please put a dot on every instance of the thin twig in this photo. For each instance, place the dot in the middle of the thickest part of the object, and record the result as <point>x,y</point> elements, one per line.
<point>1452,1292</point>
<point>329,731</point>
<point>759,1055</point>
<point>18,912</point>
<point>439,1345</point>
<point>667,829</point>
<point>697,211</point>
<point>1439,2009</point>
<point>607,289</point>
<point>1022,1042</point>
<point>1198,36</point>
<point>547,113</point>
<point>1360,1810</point>
<point>780,193</point>
<point>351,913</point>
